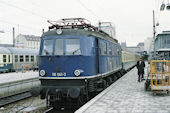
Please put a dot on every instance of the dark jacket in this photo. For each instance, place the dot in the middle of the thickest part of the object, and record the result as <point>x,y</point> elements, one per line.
<point>140,67</point>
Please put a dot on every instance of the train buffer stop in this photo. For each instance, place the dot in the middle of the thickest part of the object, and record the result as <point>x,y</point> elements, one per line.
<point>127,95</point>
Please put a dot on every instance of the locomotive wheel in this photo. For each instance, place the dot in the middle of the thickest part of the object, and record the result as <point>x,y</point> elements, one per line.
<point>114,78</point>
<point>104,84</point>
<point>119,75</point>
<point>109,80</point>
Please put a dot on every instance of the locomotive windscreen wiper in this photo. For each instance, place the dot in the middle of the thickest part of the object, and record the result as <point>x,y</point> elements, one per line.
<point>46,52</point>
<point>75,51</point>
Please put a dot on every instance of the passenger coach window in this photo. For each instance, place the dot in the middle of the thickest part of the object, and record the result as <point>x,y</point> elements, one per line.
<point>27,58</point>
<point>32,58</point>
<point>59,47</point>
<point>73,47</point>
<point>21,59</point>
<point>16,58</point>
<point>47,47</point>
<point>9,60</point>
<point>4,58</point>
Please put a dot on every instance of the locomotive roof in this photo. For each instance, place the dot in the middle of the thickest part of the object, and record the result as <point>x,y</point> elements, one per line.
<point>23,51</point>
<point>4,50</point>
<point>83,32</point>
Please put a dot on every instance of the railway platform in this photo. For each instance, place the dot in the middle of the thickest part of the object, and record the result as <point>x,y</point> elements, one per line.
<point>127,95</point>
<point>16,76</point>
<point>16,86</point>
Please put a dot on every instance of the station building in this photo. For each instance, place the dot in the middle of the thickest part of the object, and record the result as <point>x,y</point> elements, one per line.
<point>27,41</point>
<point>162,44</point>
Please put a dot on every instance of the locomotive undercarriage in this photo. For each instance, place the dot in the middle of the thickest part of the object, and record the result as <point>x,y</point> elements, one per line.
<point>73,93</point>
<point>67,98</point>
<point>64,93</point>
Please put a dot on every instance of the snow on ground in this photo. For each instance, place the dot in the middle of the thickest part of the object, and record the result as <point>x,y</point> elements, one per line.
<point>15,76</point>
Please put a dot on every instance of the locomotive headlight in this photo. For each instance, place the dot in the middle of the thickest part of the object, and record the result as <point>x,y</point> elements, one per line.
<point>42,72</point>
<point>78,72</point>
<point>59,31</point>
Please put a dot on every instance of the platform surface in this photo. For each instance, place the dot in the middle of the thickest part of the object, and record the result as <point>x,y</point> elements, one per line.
<point>127,95</point>
<point>15,76</point>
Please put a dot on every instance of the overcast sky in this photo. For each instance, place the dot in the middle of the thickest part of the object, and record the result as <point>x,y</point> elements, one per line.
<point>132,18</point>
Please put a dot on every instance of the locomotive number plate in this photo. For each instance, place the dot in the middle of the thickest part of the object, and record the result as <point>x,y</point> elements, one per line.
<point>61,74</point>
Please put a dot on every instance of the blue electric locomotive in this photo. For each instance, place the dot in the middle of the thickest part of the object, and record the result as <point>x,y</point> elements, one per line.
<point>76,60</point>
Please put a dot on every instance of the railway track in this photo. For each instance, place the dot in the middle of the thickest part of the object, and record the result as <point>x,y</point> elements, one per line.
<point>49,110</point>
<point>13,91</point>
<point>14,98</point>
<point>53,110</point>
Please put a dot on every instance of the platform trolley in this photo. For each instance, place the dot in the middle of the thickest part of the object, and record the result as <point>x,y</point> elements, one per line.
<point>159,76</point>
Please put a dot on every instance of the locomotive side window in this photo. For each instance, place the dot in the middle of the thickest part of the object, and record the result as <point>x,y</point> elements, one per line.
<point>110,49</point>
<point>58,47</point>
<point>47,47</point>
<point>113,53</point>
<point>73,47</point>
<point>4,58</point>
<point>116,50</point>
<point>103,48</point>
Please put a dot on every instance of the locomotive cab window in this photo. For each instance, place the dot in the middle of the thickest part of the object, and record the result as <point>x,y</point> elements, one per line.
<point>58,47</point>
<point>47,47</point>
<point>73,47</point>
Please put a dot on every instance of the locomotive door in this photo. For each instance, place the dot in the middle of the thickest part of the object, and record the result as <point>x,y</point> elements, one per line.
<point>97,55</point>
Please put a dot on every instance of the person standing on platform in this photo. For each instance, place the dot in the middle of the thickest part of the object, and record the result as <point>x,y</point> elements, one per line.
<point>140,66</point>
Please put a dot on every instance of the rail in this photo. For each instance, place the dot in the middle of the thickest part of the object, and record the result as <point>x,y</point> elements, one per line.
<point>48,110</point>
<point>19,86</point>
